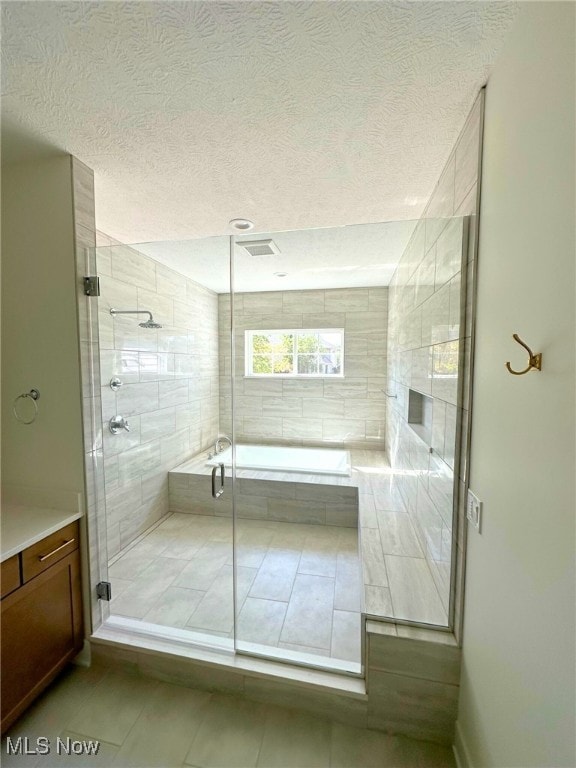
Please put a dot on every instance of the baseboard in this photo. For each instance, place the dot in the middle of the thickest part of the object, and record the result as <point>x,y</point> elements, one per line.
<point>461,751</point>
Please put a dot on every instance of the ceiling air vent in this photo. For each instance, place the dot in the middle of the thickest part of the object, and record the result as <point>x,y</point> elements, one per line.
<point>260,247</point>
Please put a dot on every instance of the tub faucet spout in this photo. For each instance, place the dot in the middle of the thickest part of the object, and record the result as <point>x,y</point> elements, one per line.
<point>218,444</point>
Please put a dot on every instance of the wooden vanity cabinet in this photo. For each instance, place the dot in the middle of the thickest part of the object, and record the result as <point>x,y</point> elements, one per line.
<point>10,575</point>
<point>41,620</point>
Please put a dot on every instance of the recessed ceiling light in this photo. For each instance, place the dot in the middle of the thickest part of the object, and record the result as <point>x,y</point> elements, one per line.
<point>241,224</point>
<point>280,274</point>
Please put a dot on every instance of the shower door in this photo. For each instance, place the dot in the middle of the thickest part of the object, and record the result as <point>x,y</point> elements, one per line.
<point>298,593</point>
<point>166,399</point>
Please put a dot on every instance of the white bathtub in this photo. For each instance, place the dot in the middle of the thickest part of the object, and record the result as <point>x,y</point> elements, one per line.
<point>324,461</point>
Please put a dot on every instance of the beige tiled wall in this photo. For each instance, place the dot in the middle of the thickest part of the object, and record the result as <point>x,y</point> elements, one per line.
<point>260,499</point>
<point>347,411</point>
<point>412,680</point>
<point>429,343</point>
<point>170,386</point>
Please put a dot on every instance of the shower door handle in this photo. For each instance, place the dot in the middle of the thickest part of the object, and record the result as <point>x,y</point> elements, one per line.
<point>217,493</point>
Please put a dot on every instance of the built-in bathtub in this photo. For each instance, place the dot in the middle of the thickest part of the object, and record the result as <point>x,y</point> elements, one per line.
<point>285,458</point>
<point>280,483</point>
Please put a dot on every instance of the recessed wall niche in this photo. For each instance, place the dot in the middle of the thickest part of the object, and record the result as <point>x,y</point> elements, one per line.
<point>420,415</point>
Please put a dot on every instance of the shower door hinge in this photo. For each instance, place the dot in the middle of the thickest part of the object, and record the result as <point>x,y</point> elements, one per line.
<point>104,590</point>
<point>92,286</point>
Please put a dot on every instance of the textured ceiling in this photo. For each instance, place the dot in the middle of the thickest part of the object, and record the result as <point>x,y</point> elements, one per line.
<point>293,115</point>
<point>335,257</point>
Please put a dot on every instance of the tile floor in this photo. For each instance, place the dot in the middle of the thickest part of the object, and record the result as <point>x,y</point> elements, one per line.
<point>141,722</point>
<point>398,580</point>
<point>298,586</point>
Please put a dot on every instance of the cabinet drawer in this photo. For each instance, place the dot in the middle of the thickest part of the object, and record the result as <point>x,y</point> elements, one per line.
<point>10,575</point>
<point>50,550</point>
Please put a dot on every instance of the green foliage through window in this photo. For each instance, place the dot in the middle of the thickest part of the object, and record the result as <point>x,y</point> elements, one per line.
<point>306,352</point>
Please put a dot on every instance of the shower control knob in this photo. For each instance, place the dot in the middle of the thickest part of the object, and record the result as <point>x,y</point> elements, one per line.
<point>117,424</point>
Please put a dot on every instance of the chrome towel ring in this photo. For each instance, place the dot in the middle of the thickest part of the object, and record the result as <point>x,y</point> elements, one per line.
<point>34,395</point>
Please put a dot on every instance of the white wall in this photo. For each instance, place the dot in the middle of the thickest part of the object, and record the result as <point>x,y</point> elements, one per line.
<point>517,700</point>
<point>39,326</point>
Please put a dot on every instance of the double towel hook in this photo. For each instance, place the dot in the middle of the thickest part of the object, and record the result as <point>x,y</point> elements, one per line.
<point>534,360</point>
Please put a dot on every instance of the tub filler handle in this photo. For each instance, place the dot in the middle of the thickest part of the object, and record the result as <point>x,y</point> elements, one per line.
<point>217,493</point>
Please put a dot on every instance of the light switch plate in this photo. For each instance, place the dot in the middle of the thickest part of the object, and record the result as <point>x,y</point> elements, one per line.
<point>474,511</point>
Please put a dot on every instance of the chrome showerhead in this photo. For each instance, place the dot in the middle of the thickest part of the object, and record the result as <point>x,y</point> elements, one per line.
<point>147,324</point>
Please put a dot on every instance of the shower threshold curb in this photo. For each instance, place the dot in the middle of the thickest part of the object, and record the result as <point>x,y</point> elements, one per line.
<point>132,648</point>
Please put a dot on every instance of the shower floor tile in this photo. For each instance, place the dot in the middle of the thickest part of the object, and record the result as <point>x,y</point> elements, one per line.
<point>298,586</point>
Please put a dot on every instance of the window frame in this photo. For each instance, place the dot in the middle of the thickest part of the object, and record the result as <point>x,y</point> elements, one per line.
<point>249,353</point>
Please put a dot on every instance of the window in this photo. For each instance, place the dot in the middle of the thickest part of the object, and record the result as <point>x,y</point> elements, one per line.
<point>301,352</point>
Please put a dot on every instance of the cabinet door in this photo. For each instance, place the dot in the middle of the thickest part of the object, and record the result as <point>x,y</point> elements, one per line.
<point>41,631</point>
<point>10,575</point>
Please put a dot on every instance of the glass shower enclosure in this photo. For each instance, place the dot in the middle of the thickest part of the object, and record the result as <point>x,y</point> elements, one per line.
<point>250,385</point>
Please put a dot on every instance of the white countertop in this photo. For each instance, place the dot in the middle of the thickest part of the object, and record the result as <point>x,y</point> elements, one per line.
<point>24,525</point>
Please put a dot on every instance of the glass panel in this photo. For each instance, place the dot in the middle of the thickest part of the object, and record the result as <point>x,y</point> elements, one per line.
<point>283,363</point>
<point>424,375</point>
<point>297,511</point>
<point>330,363</point>
<point>262,364</point>
<point>330,342</point>
<point>380,313</point>
<point>308,364</point>
<point>261,343</point>
<point>169,350</point>
<point>307,342</point>
<point>282,343</point>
